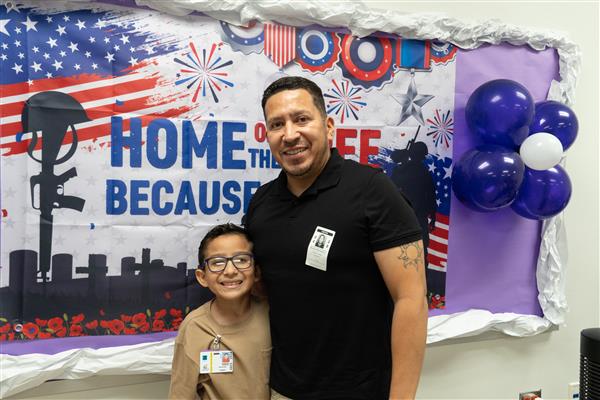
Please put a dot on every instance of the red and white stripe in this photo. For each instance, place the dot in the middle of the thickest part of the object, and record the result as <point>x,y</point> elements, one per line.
<point>98,95</point>
<point>437,251</point>
<point>280,43</point>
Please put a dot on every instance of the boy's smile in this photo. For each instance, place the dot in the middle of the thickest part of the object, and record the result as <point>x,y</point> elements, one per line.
<point>230,284</point>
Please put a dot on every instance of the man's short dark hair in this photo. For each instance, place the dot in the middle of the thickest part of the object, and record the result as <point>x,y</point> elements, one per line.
<point>294,83</point>
<point>215,232</point>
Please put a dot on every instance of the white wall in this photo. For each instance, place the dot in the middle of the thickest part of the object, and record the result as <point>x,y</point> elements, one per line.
<point>497,367</point>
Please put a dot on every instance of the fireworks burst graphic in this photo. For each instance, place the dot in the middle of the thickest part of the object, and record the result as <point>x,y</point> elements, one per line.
<point>344,101</point>
<point>442,128</point>
<point>204,73</point>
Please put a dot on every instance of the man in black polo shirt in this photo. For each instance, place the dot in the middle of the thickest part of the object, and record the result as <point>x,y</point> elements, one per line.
<point>342,260</point>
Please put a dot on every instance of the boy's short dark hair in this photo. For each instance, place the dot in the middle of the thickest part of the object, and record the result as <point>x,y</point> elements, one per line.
<point>215,232</point>
<point>294,83</point>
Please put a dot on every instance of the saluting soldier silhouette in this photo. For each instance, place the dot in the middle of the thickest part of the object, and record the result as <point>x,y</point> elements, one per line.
<point>413,179</point>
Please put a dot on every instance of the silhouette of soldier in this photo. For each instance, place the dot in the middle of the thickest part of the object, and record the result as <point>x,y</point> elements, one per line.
<point>52,114</point>
<point>413,179</point>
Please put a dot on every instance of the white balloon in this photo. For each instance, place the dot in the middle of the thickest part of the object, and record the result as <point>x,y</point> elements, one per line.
<point>541,151</point>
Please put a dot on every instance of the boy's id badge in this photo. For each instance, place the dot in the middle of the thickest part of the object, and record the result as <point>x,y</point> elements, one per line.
<point>318,248</point>
<point>216,362</point>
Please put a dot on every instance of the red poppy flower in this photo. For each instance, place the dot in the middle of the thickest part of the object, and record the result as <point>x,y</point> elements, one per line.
<point>104,324</point>
<point>139,319</point>
<point>76,330</point>
<point>176,322</point>
<point>30,330</point>
<point>11,336</point>
<point>125,318</point>
<point>144,327</point>
<point>116,326</point>
<point>160,314</point>
<point>92,324</point>
<point>76,319</point>
<point>44,335</point>
<point>158,325</point>
<point>41,322</point>
<point>175,313</point>
<point>3,337</point>
<point>129,331</point>
<point>5,328</point>
<point>55,323</point>
<point>61,332</point>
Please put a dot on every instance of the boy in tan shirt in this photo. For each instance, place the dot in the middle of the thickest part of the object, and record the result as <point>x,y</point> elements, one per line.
<point>223,348</point>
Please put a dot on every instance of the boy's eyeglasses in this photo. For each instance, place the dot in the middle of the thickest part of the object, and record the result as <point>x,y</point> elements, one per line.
<point>241,261</point>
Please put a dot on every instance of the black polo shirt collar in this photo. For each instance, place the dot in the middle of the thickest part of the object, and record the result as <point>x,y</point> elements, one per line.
<point>330,176</point>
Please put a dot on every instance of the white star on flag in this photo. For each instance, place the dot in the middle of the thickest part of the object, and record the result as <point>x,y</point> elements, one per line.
<point>51,42</point>
<point>29,24</point>
<point>18,68</point>
<point>57,64</point>
<point>36,66</point>
<point>3,23</point>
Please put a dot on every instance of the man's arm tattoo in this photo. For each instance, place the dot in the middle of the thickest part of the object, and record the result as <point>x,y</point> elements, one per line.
<point>411,254</point>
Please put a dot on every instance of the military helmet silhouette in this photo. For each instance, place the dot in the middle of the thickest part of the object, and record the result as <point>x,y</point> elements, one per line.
<point>418,151</point>
<point>52,113</point>
<point>51,109</point>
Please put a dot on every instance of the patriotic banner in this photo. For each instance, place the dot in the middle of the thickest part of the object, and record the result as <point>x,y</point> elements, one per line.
<point>126,133</point>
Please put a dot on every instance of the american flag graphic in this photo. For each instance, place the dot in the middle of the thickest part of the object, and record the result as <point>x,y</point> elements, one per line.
<point>280,43</point>
<point>96,57</point>
<point>441,171</point>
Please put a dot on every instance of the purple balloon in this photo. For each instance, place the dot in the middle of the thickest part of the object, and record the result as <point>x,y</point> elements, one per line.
<point>555,118</point>
<point>543,194</point>
<point>500,112</point>
<point>488,177</point>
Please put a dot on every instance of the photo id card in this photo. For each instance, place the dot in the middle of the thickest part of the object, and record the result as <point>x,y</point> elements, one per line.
<point>216,362</point>
<point>318,248</point>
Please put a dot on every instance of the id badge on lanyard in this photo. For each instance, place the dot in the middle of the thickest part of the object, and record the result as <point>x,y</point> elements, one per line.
<point>215,360</point>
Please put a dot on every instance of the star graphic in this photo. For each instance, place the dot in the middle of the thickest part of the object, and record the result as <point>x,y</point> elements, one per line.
<point>3,23</point>
<point>29,24</point>
<point>36,66</point>
<point>18,68</point>
<point>51,42</point>
<point>412,102</point>
<point>109,57</point>
<point>73,47</point>
<point>447,172</point>
<point>80,24</point>
<point>61,30</point>
<point>57,64</point>
<point>11,6</point>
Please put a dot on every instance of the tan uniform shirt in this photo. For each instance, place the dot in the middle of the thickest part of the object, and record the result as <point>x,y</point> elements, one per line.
<point>250,341</point>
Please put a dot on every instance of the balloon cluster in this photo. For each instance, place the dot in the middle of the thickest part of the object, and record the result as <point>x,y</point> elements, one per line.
<point>517,165</point>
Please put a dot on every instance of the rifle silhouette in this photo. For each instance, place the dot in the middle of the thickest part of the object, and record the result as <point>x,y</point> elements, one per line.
<point>52,113</point>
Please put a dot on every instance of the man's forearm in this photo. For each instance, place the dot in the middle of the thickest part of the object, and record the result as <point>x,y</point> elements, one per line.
<point>409,333</point>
